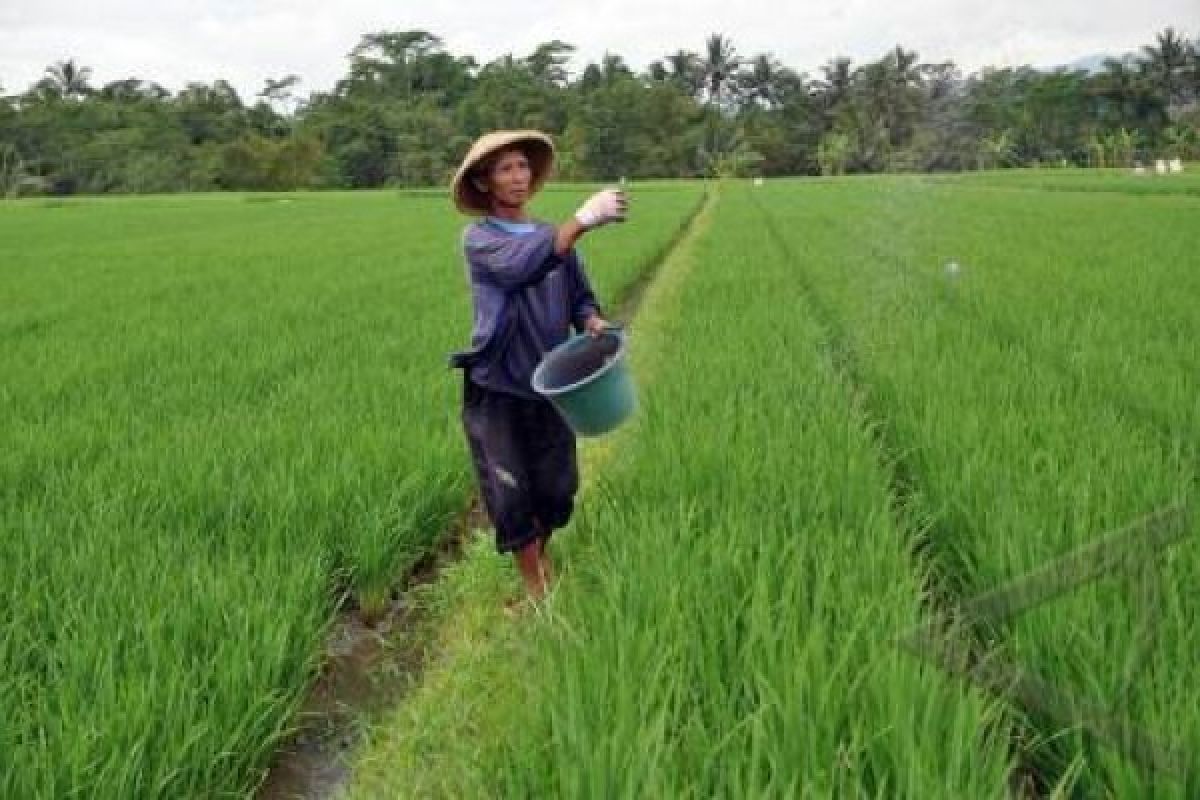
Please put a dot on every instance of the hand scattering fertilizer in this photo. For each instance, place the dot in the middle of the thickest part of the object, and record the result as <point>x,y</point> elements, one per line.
<point>588,381</point>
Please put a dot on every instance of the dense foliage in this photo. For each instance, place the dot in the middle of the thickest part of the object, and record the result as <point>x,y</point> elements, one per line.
<point>407,109</point>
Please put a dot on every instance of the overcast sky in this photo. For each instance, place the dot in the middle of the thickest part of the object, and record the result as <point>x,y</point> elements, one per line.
<point>176,41</point>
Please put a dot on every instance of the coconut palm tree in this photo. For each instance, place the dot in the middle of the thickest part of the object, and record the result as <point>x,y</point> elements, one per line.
<point>759,83</point>
<point>279,92</point>
<point>721,63</point>
<point>905,68</point>
<point>614,68</point>
<point>656,72</point>
<point>902,92</point>
<point>69,79</point>
<point>836,84</point>
<point>1167,63</point>
<point>548,62</point>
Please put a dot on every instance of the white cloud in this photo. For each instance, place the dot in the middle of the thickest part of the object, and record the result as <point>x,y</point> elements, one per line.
<point>176,41</point>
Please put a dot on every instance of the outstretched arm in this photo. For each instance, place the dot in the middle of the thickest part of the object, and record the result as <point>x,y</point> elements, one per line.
<point>513,262</point>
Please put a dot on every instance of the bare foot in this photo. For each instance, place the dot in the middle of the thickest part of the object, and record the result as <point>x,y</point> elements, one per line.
<point>529,564</point>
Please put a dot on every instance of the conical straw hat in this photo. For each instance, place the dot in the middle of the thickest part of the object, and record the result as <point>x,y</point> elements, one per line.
<point>537,146</point>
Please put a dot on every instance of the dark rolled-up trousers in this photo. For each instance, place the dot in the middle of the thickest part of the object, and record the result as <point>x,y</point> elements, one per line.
<point>524,456</point>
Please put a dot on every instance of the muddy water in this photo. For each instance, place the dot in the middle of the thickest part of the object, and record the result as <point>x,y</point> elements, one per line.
<point>368,666</point>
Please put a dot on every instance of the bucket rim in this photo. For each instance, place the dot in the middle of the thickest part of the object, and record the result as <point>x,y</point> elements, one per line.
<point>539,372</point>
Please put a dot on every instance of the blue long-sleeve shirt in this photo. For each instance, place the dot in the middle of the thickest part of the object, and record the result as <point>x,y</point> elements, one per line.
<point>526,299</point>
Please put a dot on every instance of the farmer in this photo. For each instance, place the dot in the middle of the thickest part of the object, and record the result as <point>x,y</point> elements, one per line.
<point>528,288</point>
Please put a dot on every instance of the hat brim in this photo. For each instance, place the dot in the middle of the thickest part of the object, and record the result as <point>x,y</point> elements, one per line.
<point>538,148</point>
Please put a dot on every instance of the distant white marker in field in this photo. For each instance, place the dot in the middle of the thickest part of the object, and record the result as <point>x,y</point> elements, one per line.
<point>1176,165</point>
<point>952,269</point>
<point>1160,167</point>
<point>758,181</point>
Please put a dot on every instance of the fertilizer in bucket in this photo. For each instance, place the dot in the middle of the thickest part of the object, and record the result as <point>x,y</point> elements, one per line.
<point>588,381</point>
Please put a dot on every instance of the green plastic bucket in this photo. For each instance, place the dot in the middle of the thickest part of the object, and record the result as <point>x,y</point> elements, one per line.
<point>588,381</point>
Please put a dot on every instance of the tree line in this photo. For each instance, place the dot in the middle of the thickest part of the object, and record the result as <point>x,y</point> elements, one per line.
<point>407,109</point>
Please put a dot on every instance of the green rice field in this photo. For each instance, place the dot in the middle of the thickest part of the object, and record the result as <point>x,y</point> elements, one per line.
<point>865,402</point>
<point>221,414</point>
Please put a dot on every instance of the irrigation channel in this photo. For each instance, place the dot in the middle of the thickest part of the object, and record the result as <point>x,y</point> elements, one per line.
<point>371,664</point>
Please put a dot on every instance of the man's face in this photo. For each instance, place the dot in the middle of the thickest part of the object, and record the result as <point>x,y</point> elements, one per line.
<point>509,179</point>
